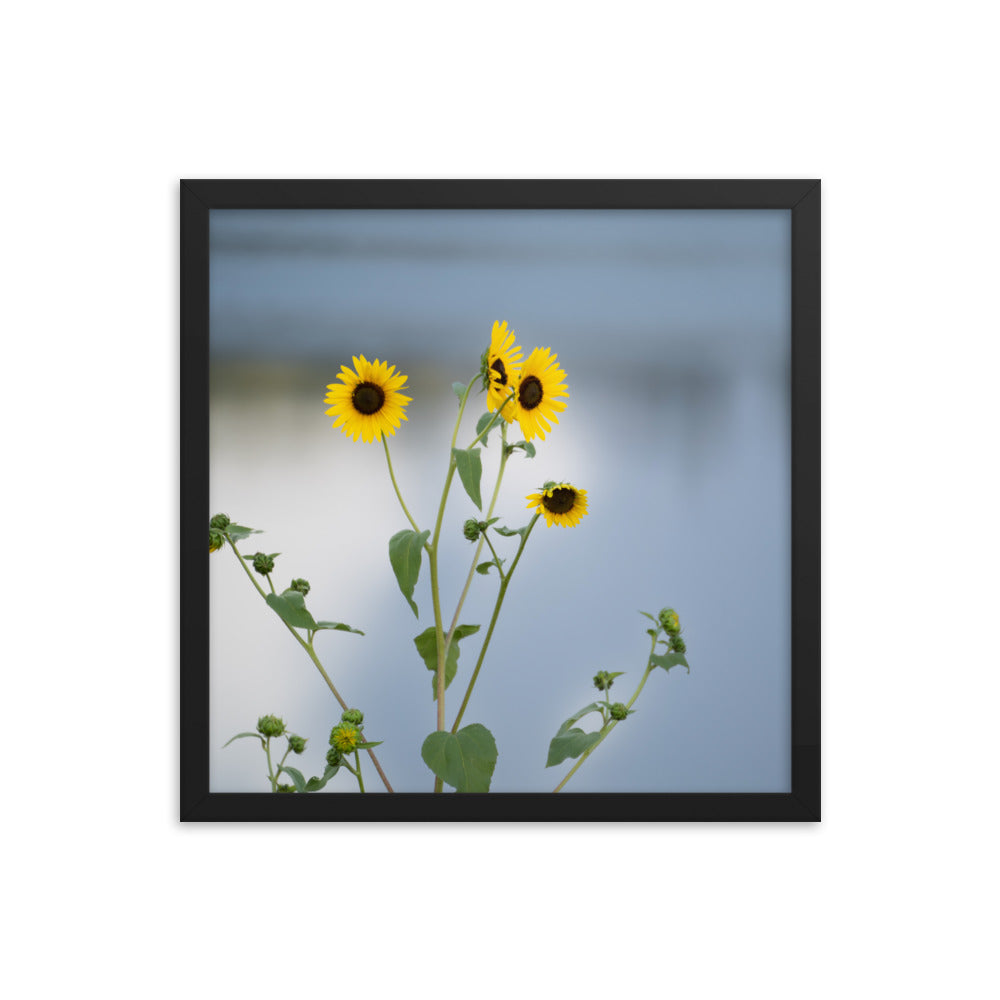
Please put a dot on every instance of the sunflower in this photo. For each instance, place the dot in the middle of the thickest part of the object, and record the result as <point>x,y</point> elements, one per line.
<point>369,402</point>
<point>561,504</point>
<point>503,365</point>
<point>539,387</point>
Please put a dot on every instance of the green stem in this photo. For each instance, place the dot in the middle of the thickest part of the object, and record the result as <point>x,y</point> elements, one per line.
<point>605,732</point>
<point>395,485</point>
<point>489,633</point>
<point>357,764</point>
<point>270,770</point>
<point>308,647</point>
<point>495,556</point>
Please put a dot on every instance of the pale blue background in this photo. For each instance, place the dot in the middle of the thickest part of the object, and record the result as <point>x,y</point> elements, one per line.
<point>674,330</point>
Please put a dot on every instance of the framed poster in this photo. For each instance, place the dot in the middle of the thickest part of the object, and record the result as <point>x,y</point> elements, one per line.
<point>513,499</point>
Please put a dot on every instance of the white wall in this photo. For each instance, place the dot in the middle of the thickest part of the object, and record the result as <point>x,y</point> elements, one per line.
<point>108,104</point>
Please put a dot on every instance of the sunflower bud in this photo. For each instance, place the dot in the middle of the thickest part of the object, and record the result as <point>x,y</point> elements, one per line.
<point>333,757</point>
<point>216,539</point>
<point>263,564</point>
<point>678,645</point>
<point>471,529</point>
<point>297,744</point>
<point>270,725</point>
<point>603,680</point>
<point>669,621</point>
<point>345,737</point>
<point>219,521</point>
<point>354,716</point>
<point>302,586</point>
<point>618,711</point>
<point>286,788</point>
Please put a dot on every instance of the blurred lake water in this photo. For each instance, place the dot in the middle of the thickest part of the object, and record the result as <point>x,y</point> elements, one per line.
<point>673,328</point>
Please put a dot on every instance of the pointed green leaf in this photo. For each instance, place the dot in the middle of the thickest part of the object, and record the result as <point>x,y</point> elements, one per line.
<point>526,446</point>
<point>297,780</point>
<point>240,736</point>
<point>291,608</point>
<point>484,568</point>
<point>368,746</point>
<point>315,784</point>
<point>507,532</point>
<point>426,644</point>
<point>650,617</point>
<point>594,706</point>
<point>570,743</point>
<point>481,425</point>
<point>404,554</point>
<point>338,626</point>
<point>459,389</point>
<point>237,532</point>
<point>668,660</point>
<point>465,760</point>
<point>470,470</point>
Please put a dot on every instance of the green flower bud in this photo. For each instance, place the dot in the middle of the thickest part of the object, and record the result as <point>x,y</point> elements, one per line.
<point>286,788</point>
<point>270,725</point>
<point>333,757</point>
<point>678,645</point>
<point>603,680</point>
<point>216,539</point>
<point>302,586</point>
<point>353,715</point>
<point>263,564</point>
<point>669,621</point>
<point>219,521</point>
<point>345,737</point>
<point>618,711</point>
<point>471,529</point>
<point>297,744</point>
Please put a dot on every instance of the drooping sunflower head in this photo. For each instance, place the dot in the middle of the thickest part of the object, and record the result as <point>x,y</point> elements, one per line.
<point>367,403</point>
<point>501,368</point>
<point>560,503</point>
<point>540,389</point>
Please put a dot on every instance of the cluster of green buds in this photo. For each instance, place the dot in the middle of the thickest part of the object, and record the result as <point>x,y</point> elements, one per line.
<point>297,744</point>
<point>263,563</point>
<point>619,711</point>
<point>671,624</point>
<point>603,680</point>
<point>216,531</point>
<point>302,586</point>
<point>346,735</point>
<point>471,529</point>
<point>270,725</point>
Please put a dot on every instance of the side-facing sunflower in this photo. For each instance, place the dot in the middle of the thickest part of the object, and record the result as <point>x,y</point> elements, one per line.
<point>539,388</point>
<point>561,503</point>
<point>368,404</point>
<point>503,366</point>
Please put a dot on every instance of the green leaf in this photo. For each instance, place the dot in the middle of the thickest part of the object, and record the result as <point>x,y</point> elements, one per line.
<point>650,617</point>
<point>404,554</point>
<point>240,736</point>
<point>570,743</point>
<point>297,780</point>
<point>507,532</point>
<point>526,446</point>
<point>484,568</point>
<point>465,760</point>
<point>459,389</point>
<point>237,532</point>
<point>470,469</point>
<point>426,644</point>
<point>481,424</point>
<point>368,746</point>
<point>594,706</point>
<point>315,784</point>
<point>338,626</point>
<point>291,608</point>
<point>668,660</point>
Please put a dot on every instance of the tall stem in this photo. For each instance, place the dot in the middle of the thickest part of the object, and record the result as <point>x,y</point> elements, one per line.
<point>489,633</point>
<point>307,646</point>
<point>605,732</point>
<point>395,485</point>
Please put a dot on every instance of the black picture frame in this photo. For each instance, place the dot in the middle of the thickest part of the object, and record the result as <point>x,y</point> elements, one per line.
<point>801,197</point>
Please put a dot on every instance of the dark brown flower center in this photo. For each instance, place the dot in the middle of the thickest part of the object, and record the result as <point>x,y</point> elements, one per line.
<point>530,393</point>
<point>498,367</point>
<point>561,501</point>
<point>368,398</point>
